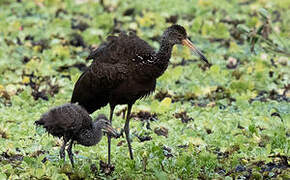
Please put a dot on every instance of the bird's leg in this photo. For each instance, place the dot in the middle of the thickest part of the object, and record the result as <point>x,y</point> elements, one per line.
<point>70,154</point>
<point>127,130</point>
<point>112,107</point>
<point>62,149</point>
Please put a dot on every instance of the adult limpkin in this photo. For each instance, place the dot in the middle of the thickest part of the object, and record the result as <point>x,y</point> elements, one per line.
<point>74,124</point>
<point>124,69</point>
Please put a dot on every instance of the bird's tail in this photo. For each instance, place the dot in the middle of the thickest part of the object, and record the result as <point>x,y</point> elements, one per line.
<point>39,122</point>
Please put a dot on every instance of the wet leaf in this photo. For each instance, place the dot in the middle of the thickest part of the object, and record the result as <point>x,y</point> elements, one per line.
<point>263,12</point>
<point>3,176</point>
<point>164,105</point>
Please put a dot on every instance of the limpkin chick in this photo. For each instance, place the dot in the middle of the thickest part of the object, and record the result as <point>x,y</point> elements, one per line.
<point>73,123</point>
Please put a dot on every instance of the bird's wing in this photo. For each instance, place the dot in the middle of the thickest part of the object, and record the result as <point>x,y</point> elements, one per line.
<point>72,117</point>
<point>121,49</point>
<point>118,59</point>
<point>92,90</point>
<point>68,118</point>
<point>101,53</point>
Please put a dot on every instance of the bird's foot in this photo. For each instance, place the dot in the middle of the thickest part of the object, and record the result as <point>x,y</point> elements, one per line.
<point>106,168</point>
<point>120,134</point>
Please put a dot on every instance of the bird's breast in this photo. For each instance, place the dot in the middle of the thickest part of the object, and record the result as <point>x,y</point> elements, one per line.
<point>131,90</point>
<point>89,137</point>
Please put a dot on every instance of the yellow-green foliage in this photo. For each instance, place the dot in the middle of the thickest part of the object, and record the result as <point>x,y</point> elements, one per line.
<point>237,118</point>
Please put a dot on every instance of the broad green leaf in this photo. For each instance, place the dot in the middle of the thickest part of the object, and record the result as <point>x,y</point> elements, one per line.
<point>3,176</point>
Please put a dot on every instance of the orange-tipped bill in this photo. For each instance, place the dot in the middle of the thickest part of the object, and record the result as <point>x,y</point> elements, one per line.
<point>188,43</point>
<point>111,131</point>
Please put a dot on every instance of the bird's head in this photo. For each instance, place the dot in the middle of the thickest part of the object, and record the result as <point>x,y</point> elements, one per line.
<point>103,123</point>
<point>176,34</point>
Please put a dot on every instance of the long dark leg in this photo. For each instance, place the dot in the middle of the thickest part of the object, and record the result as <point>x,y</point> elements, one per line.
<point>127,130</point>
<point>62,149</point>
<point>112,107</point>
<point>70,154</point>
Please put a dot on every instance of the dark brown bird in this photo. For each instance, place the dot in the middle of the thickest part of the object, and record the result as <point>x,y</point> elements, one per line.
<point>124,69</point>
<point>73,123</point>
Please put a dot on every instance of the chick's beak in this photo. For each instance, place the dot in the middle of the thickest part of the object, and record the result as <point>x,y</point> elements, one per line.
<point>111,131</point>
<point>188,43</point>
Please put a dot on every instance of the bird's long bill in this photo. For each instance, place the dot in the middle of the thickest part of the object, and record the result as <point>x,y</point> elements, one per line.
<point>111,131</point>
<point>188,43</point>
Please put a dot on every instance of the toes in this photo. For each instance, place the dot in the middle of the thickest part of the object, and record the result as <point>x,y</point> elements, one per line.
<point>121,133</point>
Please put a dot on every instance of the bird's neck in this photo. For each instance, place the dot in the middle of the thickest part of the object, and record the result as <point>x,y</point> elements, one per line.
<point>165,50</point>
<point>163,55</point>
<point>89,137</point>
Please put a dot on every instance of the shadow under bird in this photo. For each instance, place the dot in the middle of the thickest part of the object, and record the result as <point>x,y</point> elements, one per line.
<point>125,69</point>
<point>74,124</point>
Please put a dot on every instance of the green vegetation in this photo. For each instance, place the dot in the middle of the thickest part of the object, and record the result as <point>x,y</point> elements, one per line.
<point>229,121</point>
